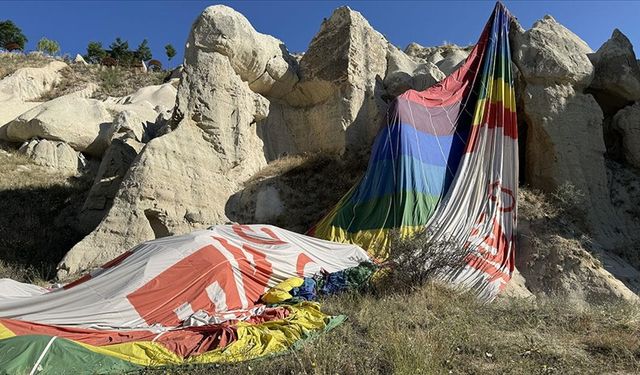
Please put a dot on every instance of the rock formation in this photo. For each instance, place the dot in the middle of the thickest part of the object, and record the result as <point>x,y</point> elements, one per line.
<point>183,179</point>
<point>173,161</point>
<point>564,137</point>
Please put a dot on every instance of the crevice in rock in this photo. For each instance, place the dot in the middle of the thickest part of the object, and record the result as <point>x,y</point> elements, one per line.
<point>156,222</point>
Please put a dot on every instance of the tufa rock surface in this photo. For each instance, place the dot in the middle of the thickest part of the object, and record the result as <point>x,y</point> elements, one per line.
<point>549,53</point>
<point>617,74</point>
<point>182,180</point>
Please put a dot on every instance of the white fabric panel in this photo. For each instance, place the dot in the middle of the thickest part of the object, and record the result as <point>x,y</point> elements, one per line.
<point>104,300</point>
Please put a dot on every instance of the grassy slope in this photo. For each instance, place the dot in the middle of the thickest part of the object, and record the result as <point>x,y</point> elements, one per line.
<point>432,330</point>
<point>115,81</point>
<point>36,205</point>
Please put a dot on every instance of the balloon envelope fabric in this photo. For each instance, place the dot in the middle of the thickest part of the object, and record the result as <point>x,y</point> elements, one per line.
<point>445,162</point>
<point>184,299</point>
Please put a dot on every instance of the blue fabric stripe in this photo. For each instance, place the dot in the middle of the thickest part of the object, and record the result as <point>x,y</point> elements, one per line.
<point>404,139</point>
<point>412,175</point>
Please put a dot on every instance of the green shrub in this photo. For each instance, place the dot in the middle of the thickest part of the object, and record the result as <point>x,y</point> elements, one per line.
<point>48,46</point>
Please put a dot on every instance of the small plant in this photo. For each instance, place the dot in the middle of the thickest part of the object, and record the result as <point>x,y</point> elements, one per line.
<point>569,199</point>
<point>48,46</point>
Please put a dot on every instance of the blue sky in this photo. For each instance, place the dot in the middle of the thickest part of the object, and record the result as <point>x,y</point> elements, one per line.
<point>74,23</point>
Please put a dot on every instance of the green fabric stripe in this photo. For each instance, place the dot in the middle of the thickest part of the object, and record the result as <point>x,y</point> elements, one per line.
<point>19,354</point>
<point>405,208</point>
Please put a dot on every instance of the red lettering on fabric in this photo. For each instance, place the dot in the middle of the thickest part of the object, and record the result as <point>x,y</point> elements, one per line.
<point>301,263</point>
<point>497,193</point>
<point>255,274</point>
<point>177,287</point>
<point>246,233</point>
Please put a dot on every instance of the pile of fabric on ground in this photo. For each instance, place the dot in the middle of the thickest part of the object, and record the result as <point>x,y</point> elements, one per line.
<point>184,299</point>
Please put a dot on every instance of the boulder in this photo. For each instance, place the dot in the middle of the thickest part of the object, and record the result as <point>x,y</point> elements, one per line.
<point>617,73</point>
<point>53,154</point>
<point>23,85</point>
<point>11,109</point>
<point>403,73</point>
<point>555,266</point>
<point>128,124</point>
<point>27,84</point>
<point>627,123</point>
<point>157,95</point>
<point>83,124</point>
<point>420,53</point>
<point>557,260</point>
<point>564,141</point>
<point>516,287</point>
<point>549,53</point>
<point>181,180</point>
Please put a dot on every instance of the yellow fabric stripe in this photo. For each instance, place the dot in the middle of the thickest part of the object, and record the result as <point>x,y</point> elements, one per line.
<point>498,91</point>
<point>254,340</point>
<point>5,332</point>
<point>374,241</point>
<point>145,353</point>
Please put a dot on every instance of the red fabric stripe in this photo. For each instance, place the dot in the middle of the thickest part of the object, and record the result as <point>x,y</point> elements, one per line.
<point>495,116</point>
<point>255,277</point>
<point>480,264</point>
<point>184,342</point>
<point>301,262</point>
<point>77,282</point>
<point>114,262</point>
<point>453,88</point>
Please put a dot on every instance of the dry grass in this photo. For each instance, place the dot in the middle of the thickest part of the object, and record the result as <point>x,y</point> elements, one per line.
<point>310,186</point>
<point>36,227</point>
<point>116,81</point>
<point>111,81</point>
<point>10,62</point>
<point>434,330</point>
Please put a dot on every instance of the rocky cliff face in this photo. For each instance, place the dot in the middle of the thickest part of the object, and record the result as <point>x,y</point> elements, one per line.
<point>244,101</point>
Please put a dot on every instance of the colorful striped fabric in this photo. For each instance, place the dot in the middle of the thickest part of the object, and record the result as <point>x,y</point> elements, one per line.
<point>445,160</point>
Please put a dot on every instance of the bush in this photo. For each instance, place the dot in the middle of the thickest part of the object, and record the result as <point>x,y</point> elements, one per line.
<point>48,46</point>
<point>413,261</point>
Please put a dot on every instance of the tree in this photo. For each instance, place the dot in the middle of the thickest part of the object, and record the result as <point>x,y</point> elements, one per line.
<point>144,52</point>
<point>10,33</point>
<point>119,49</point>
<point>95,53</point>
<point>170,51</point>
<point>48,46</point>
